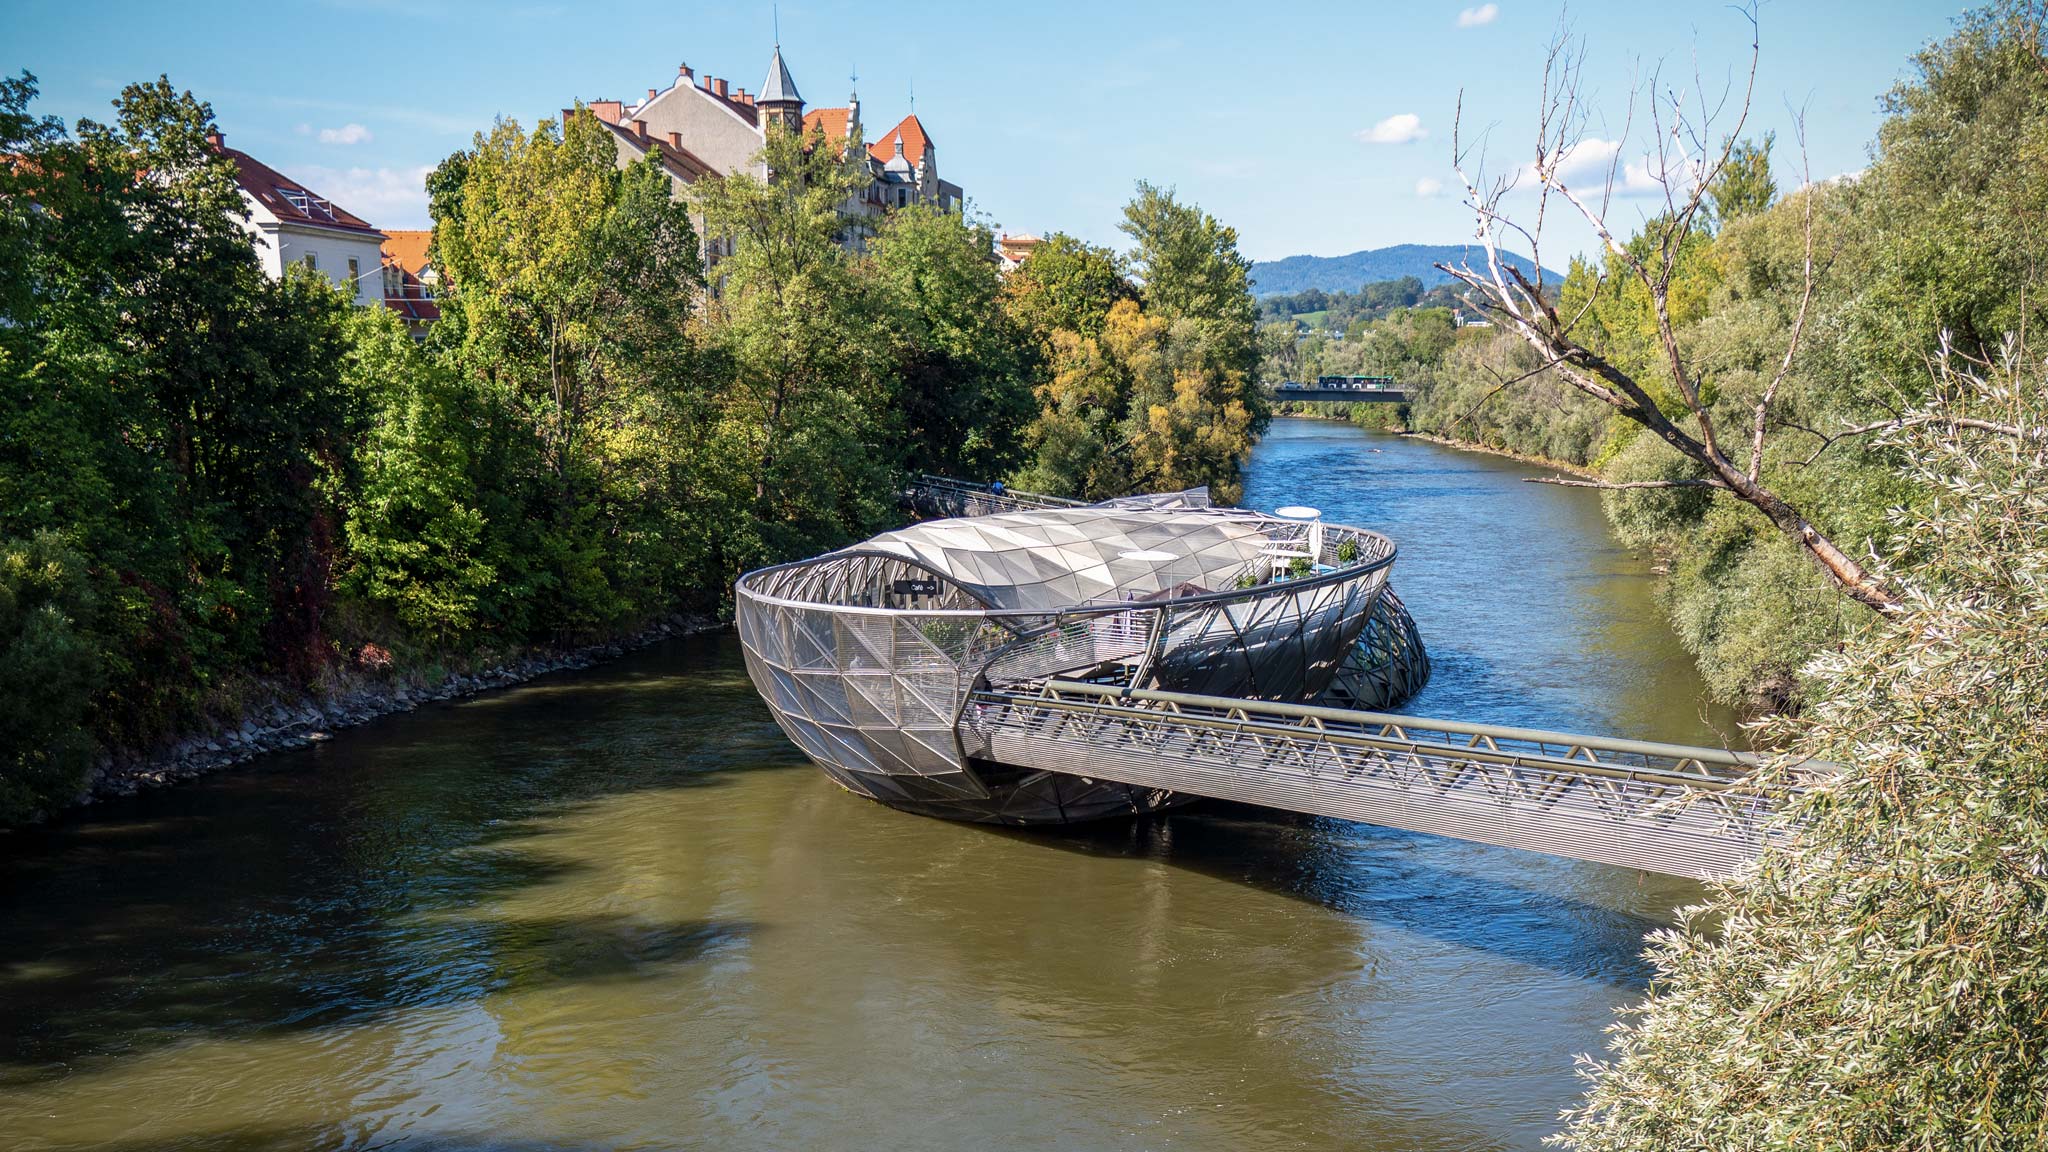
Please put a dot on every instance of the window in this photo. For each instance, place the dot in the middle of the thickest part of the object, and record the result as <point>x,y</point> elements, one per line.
<point>312,261</point>
<point>902,197</point>
<point>355,277</point>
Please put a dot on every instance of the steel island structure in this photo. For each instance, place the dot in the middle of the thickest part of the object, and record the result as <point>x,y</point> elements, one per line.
<point>1031,660</point>
<point>870,656</point>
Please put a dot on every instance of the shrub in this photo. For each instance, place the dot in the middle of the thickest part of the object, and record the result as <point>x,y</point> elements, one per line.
<point>49,673</point>
<point>1879,982</point>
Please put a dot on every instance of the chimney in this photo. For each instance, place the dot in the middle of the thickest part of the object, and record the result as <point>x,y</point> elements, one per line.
<point>215,139</point>
<point>640,129</point>
<point>675,141</point>
<point>651,93</point>
<point>609,111</point>
<point>683,72</point>
<point>718,87</point>
<point>740,94</point>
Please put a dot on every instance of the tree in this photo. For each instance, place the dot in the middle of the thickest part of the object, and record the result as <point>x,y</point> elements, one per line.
<point>1956,200</point>
<point>1653,262</point>
<point>1190,268</point>
<point>49,673</point>
<point>567,292</point>
<point>1744,187</point>
<point>962,396</point>
<point>422,542</point>
<point>1194,420</point>
<point>1066,286</point>
<point>809,384</point>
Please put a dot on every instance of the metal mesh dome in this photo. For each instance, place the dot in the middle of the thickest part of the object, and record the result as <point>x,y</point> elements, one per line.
<point>868,656</point>
<point>1056,559</point>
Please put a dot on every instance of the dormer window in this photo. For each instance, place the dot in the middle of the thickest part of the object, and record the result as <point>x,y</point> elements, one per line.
<point>308,205</point>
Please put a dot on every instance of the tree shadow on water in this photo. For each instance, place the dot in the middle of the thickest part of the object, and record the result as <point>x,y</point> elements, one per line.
<point>351,1137</point>
<point>71,1014</point>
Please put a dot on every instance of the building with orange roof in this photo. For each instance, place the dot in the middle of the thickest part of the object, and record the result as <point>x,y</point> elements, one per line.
<point>1014,250</point>
<point>409,277</point>
<point>701,126</point>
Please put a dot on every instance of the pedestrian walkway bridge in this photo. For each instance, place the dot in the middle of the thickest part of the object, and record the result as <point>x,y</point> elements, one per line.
<point>1029,659</point>
<point>1660,807</point>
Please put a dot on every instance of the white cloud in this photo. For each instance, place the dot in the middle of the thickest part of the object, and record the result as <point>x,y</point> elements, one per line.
<point>1586,166</point>
<point>351,133</point>
<point>1474,17</point>
<point>1429,186</point>
<point>386,197</point>
<point>1405,128</point>
<point>1586,162</point>
<point>304,129</point>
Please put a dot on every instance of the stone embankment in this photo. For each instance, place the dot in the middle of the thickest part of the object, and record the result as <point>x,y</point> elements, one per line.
<point>350,699</point>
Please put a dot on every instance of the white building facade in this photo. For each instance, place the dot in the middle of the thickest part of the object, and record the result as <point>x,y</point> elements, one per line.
<point>291,224</point>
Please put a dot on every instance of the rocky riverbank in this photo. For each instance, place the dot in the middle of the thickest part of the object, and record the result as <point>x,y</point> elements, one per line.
<point>349,698</point>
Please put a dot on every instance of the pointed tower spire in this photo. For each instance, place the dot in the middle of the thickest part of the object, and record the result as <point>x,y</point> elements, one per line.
<point>779,86</point>
<point>779,99</point>
<point>853,106</point>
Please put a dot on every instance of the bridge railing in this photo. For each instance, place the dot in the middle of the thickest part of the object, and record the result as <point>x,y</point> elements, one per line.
<point>943,496</point>
<point>1669,808</point>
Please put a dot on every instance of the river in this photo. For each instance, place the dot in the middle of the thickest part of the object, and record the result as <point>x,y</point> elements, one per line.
<point>616,909</point>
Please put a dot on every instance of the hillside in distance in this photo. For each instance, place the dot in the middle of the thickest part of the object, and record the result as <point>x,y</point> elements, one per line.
<point>1347,273</point>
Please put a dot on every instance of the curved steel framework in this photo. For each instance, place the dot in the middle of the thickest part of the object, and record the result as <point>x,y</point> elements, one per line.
<point>868,655</point>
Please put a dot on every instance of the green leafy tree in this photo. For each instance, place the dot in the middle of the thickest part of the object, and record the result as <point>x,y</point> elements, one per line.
<point>421,544</point>
<point>1876,981</point>
<point>567,288</point>
<point>50,671</point>
<point>1744,187</point>
<point>1194,421</point>
<point>1191,270</point>
<point>1956,202</point>
<point>1066,285</point>
<point>798,442</point>
<point>962,393</point>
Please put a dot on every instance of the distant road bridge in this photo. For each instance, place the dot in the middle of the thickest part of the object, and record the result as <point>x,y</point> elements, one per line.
<point>1345,390</point>
<point>1343,395</point>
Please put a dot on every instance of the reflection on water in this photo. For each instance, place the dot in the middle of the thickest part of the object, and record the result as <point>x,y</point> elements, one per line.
<point>617,910</point>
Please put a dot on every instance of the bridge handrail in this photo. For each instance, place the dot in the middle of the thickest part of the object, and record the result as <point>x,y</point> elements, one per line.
<point>971,488</point>
<point>1396,730</point>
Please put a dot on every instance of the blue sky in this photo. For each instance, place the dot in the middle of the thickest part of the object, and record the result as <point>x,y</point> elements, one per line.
<point>1047,113</point>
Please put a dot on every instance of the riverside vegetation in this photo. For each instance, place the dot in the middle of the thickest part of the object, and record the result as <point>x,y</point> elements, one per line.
<point>1940,239</point>
<point>217,489</point>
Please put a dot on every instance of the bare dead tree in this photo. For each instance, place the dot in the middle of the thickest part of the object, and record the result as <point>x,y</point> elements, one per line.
<point>1682,165</point>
